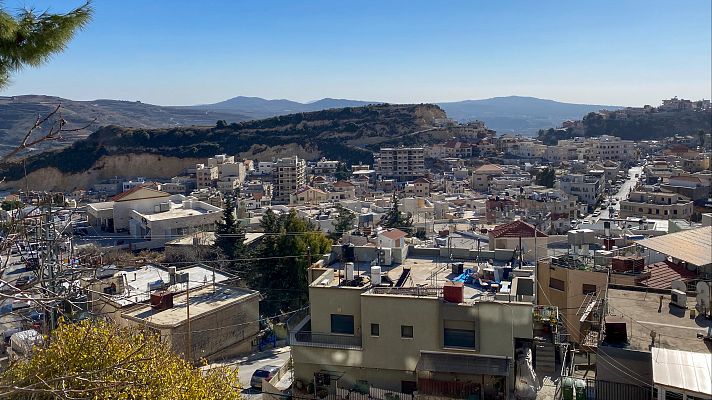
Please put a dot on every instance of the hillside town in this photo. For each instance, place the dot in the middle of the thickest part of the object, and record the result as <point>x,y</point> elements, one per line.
<point>485,266</point>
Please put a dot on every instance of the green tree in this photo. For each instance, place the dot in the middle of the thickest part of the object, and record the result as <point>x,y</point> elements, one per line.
<point>230,236</point>
<point>342,172</point>
<point>546,177</point>
<point>344,222</point>
<point>100,360</point>
<point>280,270</point>
<point>30,38</point>
<point>394,218</point>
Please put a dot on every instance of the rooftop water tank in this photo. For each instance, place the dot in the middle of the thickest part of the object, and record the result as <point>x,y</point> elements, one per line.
<point>349,271</point>
<point>376,275</point>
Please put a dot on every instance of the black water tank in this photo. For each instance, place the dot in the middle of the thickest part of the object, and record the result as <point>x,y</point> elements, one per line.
<point>348,252</point>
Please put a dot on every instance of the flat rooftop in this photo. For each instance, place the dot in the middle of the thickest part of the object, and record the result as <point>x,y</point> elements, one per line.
<point>202,301</point>
<point>425,273</point>
<point>674,328</point>
<point>208,238</point>
<point>138,280</point>
<point>176,213</point>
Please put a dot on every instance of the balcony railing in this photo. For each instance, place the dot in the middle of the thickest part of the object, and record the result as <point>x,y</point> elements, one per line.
<point>325,340</point>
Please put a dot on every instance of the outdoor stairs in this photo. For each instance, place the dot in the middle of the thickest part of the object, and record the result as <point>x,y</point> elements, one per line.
<point>545,358</point>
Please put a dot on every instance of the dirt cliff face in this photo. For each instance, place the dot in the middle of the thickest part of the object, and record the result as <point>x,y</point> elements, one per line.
<point>125,165</point>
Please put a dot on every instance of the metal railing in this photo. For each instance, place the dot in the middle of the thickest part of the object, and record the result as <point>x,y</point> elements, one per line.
<point>326,340</point>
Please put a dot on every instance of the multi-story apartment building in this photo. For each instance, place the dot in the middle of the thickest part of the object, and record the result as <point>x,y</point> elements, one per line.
<point>401,163</point>
<point>483,175</point>
<point>205,175</point>
<point>560,207</point>
<point>413,337</point>
<point>326,167</point>
<point>659,205</point>
<point>449,149</point>
<point>587,189</point>
<point>289,175</point>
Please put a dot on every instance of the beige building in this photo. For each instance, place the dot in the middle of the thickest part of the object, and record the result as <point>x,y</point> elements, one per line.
<point>518,233</point>
<point>402,163</point>
<point>658,205</point>
<point>483,175</point>
<point>407,338</point>
<point>205,175</point>
<point>223,320</point>
<point>289,175</point>
<point>571,290</point>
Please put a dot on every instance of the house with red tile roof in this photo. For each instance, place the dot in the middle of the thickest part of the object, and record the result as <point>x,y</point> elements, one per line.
<point>520,236</point>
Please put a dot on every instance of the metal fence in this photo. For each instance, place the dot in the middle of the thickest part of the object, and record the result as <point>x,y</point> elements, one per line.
<point>325,340</point>
<point>604,390</point>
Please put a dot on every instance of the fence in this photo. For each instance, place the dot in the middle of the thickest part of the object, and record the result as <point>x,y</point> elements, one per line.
<point>325,340</point>
<point>602,390</point>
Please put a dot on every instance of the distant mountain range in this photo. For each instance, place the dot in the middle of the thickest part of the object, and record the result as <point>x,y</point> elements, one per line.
<point>503,114</point>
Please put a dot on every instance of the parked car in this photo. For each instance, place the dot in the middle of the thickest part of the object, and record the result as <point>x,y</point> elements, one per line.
<point>267,372</point>
<point>596,213</point>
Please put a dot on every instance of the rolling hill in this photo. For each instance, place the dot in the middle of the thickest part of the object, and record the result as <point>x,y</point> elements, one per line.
<point>348,134</point>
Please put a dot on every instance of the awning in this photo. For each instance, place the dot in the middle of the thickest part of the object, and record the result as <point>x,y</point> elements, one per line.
<point>693,246</point>
<point>683,370</point>
<point>469,364</point>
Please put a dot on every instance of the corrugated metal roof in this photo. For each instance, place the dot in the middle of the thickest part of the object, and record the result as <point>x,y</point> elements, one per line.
<point>683,370</point>
<point>471,364</point>
<point>693,246</point>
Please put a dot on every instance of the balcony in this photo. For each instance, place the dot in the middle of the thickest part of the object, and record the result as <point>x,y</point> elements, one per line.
<point>325,340</point>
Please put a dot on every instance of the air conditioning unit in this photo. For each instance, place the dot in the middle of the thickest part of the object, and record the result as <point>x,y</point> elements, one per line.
<point>678,298</point>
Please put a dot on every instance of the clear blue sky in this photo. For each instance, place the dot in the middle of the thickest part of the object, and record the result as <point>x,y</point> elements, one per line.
<point>190,52</point>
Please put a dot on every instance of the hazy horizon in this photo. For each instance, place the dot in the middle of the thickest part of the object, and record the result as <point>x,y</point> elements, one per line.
<point>183,53</point>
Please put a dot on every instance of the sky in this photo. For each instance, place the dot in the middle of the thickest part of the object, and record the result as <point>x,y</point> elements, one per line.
<point>182,52</point>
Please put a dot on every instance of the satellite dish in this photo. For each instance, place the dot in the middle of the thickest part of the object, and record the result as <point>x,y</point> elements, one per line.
<point>679,285</point>
<point>703,297</point>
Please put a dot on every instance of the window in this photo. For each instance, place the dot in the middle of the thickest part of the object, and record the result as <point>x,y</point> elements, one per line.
<point>407,331</point>
<point>375,330</point>
<point>557,284</point>
<point>459,338</point>
<point>343,324</point>
<point>588,288</point>
<point>673,395</point>
<point>408,387</point>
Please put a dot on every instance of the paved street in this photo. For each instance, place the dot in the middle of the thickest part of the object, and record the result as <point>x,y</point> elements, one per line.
<point>623,192</point>
<point>249,364</point>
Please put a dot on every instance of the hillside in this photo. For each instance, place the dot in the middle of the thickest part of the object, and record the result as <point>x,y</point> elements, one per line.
<point>649,126</point>
<point>18,114</point>
<point>503,114</point>
<point>347,134</point>
<point>518,114</point>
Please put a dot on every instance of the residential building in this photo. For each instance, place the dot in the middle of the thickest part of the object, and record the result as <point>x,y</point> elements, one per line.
<point>224,319</point>
<point>481,177</point>
<point>407,338</point>
<point>521,236</point>
<point>289,175</point>
<point>401,163</point>
<point>205,175</point>
<point>656,205</point>
<point>587,189</point>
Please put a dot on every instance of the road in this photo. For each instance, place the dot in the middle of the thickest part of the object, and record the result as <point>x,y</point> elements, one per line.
<point>246,366</point>
<point>623,191</point>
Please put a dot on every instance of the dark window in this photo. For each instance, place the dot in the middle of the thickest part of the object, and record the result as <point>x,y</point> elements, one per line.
<point>459,338</point>
<point>408,387</point>
<point>342,324</point>
<point>557,284</point>
<point>407,331</point>
<point>588,288</point>
<point>673,395</point>
<point>375,330</point>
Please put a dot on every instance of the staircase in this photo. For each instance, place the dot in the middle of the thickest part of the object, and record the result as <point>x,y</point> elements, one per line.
<point>545,359</point>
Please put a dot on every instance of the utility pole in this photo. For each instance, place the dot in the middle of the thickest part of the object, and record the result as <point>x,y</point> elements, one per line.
<point>189,342</point>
